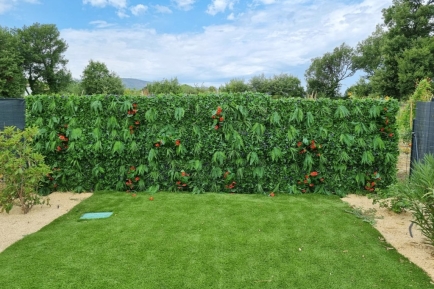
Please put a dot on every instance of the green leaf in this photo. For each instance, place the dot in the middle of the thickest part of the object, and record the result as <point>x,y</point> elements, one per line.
<point>75,134</point>
<point>347,139</point>
<point>179,113</point>
<point>216,172</point>
<point>118,147</point>
<point>151,115</point>
<point>309,118</point>
<point>375,111</point>
<point>258,172</point>
<point>342,112</point>
<point>276,154</point>
<point>96,106</point>
<point>37,106</point>
<point>292,133</point>
<point>152,155</point>
<point>308,162</point>
<point>378,143</point>
<point>218,157</point>
<point>275,118</point>
<point>253,158</point>
<point>258,129</point>
<point>297,115</point>
<point>367,158</point>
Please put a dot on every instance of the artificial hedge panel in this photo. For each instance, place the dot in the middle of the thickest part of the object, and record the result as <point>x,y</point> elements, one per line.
<point>245,143</point>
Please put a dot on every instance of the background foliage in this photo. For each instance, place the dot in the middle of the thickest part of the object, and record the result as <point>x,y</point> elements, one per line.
<point>243,143</point>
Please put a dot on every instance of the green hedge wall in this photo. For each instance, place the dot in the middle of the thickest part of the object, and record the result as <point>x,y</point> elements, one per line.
<point>244,143</point>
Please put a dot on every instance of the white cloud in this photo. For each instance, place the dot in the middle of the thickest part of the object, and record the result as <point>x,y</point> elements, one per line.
<point>6,5</point>
<point>102,3</point>
<point>184,4</point>
<point>138,9</point>
<point>122,14</point>
<point>218,6</point>
<point>231,16</point>
<point>101,24</point>
<point>278,38</point>
<point>162,9</point>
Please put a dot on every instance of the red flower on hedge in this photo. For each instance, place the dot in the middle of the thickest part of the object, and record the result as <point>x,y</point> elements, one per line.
<point>222,118</point>
<point>216,127</point>
<point>299,144</point>
<point>314,174</point>
<point>137,179</point>
<point>157,144</point>
<point>177,142</point>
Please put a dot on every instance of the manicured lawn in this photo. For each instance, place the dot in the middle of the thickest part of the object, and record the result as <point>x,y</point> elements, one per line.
<point>208,241</point>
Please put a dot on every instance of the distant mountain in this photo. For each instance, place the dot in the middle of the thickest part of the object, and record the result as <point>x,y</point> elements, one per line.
<point>133,83</point>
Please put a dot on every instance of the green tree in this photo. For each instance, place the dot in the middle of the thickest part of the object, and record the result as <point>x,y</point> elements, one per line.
<point>97,79</point>
<point>260,84</point>
<point>166,86</point>
<point>12,80</point>
<point>281,85</point>
<point>361,89</point>
<point>284,85</point>
<point>43,62</point>
<point>406,22</point>
<point>368,54</point>
<point>416,63</point>
<point>235,85</point>
<point>325,73</point>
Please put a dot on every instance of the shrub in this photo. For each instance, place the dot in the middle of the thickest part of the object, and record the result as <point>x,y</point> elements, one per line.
<point>417,194</point>
<point>22,169</point>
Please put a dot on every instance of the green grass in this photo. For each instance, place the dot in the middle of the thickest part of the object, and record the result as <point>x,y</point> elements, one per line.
<point>208,241</point>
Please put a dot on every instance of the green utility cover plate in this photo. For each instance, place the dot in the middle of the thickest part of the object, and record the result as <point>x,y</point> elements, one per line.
<point>100,215</point>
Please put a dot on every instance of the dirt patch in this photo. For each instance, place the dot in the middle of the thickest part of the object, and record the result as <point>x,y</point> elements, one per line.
<point>395,230</point>
<point>15,225</point>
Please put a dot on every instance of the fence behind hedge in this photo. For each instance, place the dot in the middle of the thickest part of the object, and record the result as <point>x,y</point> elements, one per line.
<point>244,143</point>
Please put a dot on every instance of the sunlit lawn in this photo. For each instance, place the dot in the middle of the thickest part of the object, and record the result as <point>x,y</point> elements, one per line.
<point>208,241</point>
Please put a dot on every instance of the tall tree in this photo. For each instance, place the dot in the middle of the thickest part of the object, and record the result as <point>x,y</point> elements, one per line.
<point>325,73</point>
<point>12,80</point>
<point>97,79</point>
<point>406,22</point>
<point>284,85</point>
<point>416,64</point>
<point>42,50</point>
<point>235,85</point>
<point>368,53</point>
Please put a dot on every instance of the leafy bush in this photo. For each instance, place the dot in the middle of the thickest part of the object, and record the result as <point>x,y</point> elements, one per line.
<point>287,145</point>
<point>417,195</point>
<point>22,169</point>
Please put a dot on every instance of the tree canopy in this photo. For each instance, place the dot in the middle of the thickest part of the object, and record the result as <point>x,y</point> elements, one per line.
<point>396,57</point>
<point>97,79</point>
<point>164,86</point>
<point>12,80</point>
<point>41,49</point>
<point>325,73</point>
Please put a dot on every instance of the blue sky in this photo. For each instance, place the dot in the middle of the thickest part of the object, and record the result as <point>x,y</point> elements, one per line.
<point>201,42</point>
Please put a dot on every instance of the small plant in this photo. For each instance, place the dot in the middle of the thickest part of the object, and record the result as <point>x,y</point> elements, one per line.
<point>391,200</point>
<point>419,191</point>
<point>22,169</point>
<point>367,216</point>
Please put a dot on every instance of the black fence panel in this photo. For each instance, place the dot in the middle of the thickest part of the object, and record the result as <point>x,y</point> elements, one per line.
<point>423,132</point>
<point>12,112</point>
